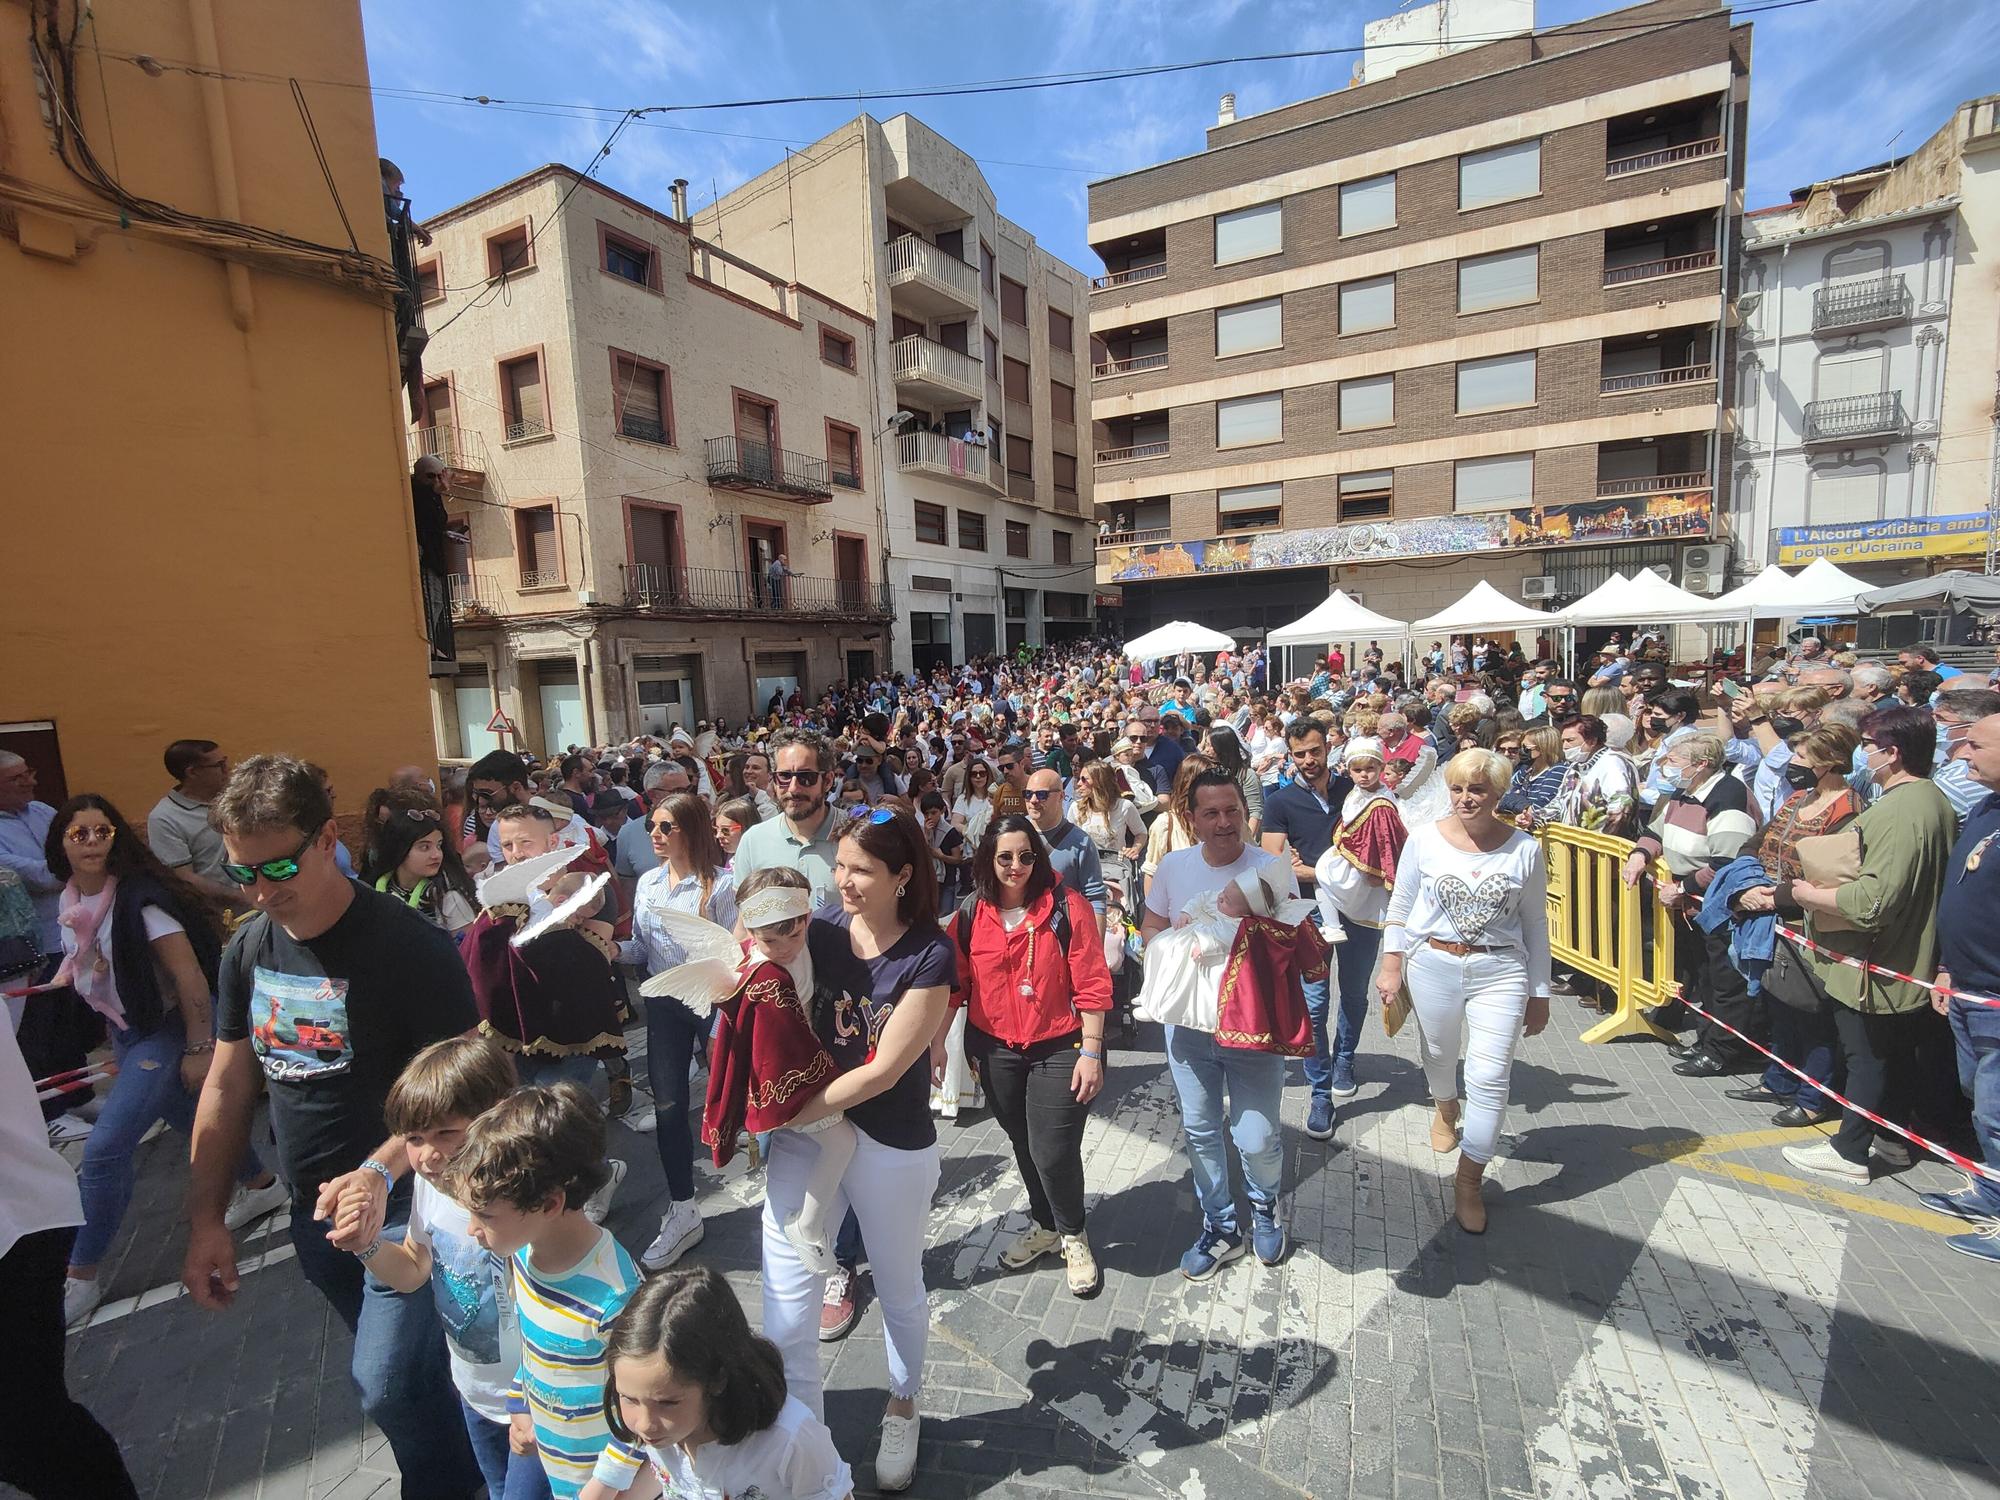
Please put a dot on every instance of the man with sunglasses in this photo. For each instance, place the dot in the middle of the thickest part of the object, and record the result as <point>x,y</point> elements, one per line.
<point>1072,851</point>
<point>804,834</point>
<point>329,990</point>
<point>178,830</point>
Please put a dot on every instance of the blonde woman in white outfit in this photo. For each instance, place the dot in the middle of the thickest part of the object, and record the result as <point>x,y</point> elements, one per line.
<point>1468,927</point>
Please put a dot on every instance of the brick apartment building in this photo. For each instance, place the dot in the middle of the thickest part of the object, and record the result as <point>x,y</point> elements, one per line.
<point>1464,319</point>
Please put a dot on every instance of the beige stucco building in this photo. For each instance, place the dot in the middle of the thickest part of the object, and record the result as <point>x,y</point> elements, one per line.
<point>636,425</point>
<point>974,363</point>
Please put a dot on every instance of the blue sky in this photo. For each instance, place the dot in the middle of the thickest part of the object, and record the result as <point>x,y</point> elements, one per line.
<point>1836,84</point>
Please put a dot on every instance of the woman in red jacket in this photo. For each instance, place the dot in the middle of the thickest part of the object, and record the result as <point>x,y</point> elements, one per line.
<point>1036,990</point>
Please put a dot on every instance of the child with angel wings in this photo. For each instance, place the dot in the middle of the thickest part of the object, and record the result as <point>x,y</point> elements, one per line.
<point>765,1061</point>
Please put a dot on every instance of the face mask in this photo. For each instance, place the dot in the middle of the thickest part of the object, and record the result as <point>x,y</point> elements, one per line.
<point>1523,755</point>
<point>1802,778</point>
<point>1574,754</point>
<point>1672,776</point>
<point>1784,726</point>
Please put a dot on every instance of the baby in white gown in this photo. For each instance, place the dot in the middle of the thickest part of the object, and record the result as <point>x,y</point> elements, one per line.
<point>1184,964</point>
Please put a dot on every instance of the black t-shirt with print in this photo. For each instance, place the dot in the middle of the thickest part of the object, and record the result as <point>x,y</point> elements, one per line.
<point>869,991</point>
<point>334,1019</point>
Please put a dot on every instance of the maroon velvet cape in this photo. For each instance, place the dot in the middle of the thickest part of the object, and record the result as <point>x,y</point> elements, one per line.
<point>556,997</point>
<point>765,1063</point>
<point>1263,998</point>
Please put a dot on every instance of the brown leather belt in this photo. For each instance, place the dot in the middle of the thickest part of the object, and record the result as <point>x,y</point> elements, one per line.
<point>1460,950</point>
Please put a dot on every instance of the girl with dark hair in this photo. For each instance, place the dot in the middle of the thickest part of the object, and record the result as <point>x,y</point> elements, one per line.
<point>694,1391</point>
<point>140,948</point>
<point>409,857</point>
<point>1223,746</point>
<point>1035,989</point>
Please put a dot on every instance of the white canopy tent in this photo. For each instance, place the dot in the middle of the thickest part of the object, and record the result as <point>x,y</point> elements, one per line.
<point>1643,599</point>
<point>1485,608</point>
<point>1175,637</point>
<point>1774,594</point>
<point>1340,618</point>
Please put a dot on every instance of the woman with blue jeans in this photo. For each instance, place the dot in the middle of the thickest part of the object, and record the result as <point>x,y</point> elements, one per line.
<point>692,877</point>
<point>140,948</point>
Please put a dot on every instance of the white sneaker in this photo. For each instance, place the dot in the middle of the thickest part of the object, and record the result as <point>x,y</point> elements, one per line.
<point>1029,1246</point>
<point>681,1230</point>
<point>815,1255</point>
<point>1894,1153</point>
<point>64,1129</point>
<point>80,1299</point>
<point>642,1118</point>
<point>249,1204</point>
<point>598,1209</point>
<point>158,1127</point>
<point>1827,1162</point>
<point>896,1459</point>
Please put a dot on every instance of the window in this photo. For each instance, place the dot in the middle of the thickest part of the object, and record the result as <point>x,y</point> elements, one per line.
<point>1491,384</point>
<point>1496,176</point>
<point>1020,457</point>
<point>1065,473</point>
<point>1368,204</point>
<point>430,280</point>
<point>1506,279</point>
<point>1483,483</point>
<point>1017,538</point>
<point>971,531</point>
<point>1366,306</point>
<point>521,398</point>
<point>1370,402</point>
<point>1015,379</point>
<point>1850,372</point>
<point>930,583</point>
<point>628,259</point>
<point>1249,419</point>
<point>988,277</point>
<point>509,251</point>
<point>931,524</point>
<point>639,399</point>
<point>1062,402</point>
<point>1838,495</point>
<point>1366,496</point>
<point>1249,325</point>
<point>1250,232</point>
<point>992,355</point>
<point>1062,542</point>
<point>836,348</point>
<point>1249,507</point>
<point>1060,330</point>
<point>843,455</point>
<point>1013,302</point>
<point>538,547</point>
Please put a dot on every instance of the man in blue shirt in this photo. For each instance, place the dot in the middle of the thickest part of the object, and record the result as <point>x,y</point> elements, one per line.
<point>1159,754</point>
<point>24,831</point>
<point>1071,850</point>
<point>1957,710</point>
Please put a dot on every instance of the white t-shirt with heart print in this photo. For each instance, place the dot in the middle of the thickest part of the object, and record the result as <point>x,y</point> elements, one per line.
<point>1497,900</point>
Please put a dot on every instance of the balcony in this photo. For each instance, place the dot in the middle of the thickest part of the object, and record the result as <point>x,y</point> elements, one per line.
<point>1651,484</point>
<point>1134,453</point>
<point>925,279</point>
<point>709,592</point>
<point>1133,365</point>
<point>1652,270</point>
<point>1666,156</point>
<point>1130,276</point>
<point>734,464</point>
<point>956,459</point>
<point>1646,380</point>
<point>458,448</point>
<point>472,595</point>
<point>1878,416</point>
<point>1134,538</point>
<point>527,430</point>
<point>1864,302</point>
<point>935,375</point>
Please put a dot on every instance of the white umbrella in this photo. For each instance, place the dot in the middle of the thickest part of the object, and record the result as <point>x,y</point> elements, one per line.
<point>1175,637</point>
<point>1340,618</point>
<point>1485,608</point>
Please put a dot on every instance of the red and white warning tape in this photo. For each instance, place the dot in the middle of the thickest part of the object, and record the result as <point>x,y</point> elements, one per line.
<point>1965,1164</point>
<point>1847,961</point>
<point>74,1080</point>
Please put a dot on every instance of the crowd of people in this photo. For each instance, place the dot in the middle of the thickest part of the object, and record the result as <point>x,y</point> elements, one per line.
<point>914,897</point>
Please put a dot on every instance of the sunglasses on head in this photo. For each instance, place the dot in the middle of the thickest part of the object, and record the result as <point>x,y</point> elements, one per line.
<point>803,778</point>
<point>882,815</point>
<point>276,870</point>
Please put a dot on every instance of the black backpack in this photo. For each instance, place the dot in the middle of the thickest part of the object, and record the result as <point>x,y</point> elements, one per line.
<point>1058,923</point>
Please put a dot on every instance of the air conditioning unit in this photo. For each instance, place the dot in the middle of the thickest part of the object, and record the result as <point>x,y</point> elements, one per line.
<point>586,596</point>
<point>1356,596</point>
<point>1705,570</point>
<point>1663,571</point>
<point>1543,587</point>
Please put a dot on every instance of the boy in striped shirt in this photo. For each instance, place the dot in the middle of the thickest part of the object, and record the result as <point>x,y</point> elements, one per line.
<point>528,1166</point>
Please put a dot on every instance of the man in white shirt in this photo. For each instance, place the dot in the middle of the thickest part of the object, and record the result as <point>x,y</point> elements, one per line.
<point>1204,1072</point>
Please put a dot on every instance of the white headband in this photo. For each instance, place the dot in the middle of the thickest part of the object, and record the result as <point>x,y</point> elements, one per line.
<point>777,903</point>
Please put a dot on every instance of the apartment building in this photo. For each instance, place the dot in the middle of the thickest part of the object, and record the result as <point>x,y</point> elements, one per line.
<point>1865,411</point>
<point>635,427</point>
<point>1466,319</point>
<point>974,367</point>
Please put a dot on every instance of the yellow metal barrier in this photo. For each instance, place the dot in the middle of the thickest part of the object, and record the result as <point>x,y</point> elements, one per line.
<point>1598,927</point>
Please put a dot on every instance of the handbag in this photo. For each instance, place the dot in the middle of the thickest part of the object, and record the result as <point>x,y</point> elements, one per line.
<point>1828,860</point>
<point>1395,1012</point>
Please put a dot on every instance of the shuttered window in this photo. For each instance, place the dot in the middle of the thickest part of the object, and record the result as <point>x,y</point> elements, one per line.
<point>1015,375</point>
<point>1013,302</point>
<point>538,547</point>
<point>1062,402</point>
<point>510,251</point>
<point>1366,496</point>
<point>1834,496</point>
<point>1250,232</point>
<point>1501,174</point>
<point>1851,372</point>
<point>931,522</point>
<point>1504,280</point>
<point>1061,330</point>
<point>1368,204</point>
<point>1065,472</point>
<point>971,531</point>
<point>1249,419</point>
<point>1249,507</point>
<point>641,410</point>
<point>1489,384</point>
<point>1062,543</point>
<point>1483,483</point>
<point>1368,305</point>
<point>1020,457</point>
<point>1249,325</point>
<point>1369,402</point>
<point>1017,540</point>
<point>843,455</point>
<point>521,393</point>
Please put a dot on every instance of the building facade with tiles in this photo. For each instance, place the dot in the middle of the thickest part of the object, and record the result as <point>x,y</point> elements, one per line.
<point>1469,319</point>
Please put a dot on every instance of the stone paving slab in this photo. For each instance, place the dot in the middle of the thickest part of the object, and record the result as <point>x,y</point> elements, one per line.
<point>1659,1309</point>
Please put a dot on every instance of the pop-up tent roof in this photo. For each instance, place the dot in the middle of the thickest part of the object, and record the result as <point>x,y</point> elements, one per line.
<point>1643,599</point>
<point>1485,608</point>
<point>1774,594</point>
<point>1175,637</point>
<point>1340,618</point>
<point>1954,590</point>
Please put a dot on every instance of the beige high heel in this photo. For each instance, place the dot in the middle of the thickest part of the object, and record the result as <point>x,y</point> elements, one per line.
<point>1467,1206</point>
<point>1444,1126</point>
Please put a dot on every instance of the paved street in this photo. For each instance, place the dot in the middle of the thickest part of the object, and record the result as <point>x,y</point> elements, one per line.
<point>1653,1313</point>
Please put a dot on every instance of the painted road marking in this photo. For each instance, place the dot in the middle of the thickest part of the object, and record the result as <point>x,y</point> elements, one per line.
<point>1703,1154</point>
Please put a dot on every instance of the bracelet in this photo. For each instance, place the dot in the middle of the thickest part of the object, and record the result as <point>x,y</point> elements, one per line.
<point>373,1249</point>
<point>1093,1056</point>
<point>372,1165</point>
<point>196,1051</point>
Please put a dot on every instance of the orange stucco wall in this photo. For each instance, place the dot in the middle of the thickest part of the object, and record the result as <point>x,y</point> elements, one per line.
<point>204,530</point>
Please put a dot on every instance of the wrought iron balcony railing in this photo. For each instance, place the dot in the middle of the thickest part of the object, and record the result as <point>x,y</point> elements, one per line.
<point>473,594</point>
<point>734,463</point>
<point>458,448</point>
<point>682,590</point>
<point>1879,414</point>
<point>1864,302</point>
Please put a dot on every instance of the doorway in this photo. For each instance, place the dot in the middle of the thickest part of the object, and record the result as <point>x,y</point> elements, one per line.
<point>561,696</point>
<point>756,436</point>
<point>655,546</point>
<point>763,544</point>
<point>850,571</point>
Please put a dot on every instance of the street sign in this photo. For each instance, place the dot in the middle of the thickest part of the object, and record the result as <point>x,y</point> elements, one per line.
<point>501,724</point>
